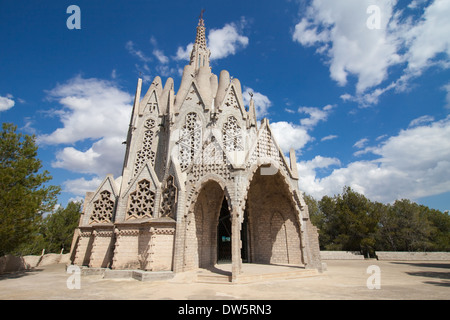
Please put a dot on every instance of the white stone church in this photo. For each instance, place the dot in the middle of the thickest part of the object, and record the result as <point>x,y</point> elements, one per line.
<point>202,183</point>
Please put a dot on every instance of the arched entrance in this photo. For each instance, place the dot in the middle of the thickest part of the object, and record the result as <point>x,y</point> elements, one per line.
<point>273,225</point>
<point>208,233</point>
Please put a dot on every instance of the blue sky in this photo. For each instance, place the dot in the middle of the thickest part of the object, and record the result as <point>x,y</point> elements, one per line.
<point>359,88</point>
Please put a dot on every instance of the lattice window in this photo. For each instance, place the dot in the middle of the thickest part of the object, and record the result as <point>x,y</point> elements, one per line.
<point>169,199</point>
<point>146,153</point>
<point>232,136</point>
<point>103,208</point>
<point>190,140</point>
<point>142,201</point>
<point>231,100</point>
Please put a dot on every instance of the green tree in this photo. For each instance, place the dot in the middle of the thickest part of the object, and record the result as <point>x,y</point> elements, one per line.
<point>348,222</point>
<point>24,197</point>
<point>58,228</point>
<point>404,226</point>
<point>440,234</point>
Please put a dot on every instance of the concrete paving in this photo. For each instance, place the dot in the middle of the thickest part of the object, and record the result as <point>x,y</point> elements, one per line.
<point>343,279</point>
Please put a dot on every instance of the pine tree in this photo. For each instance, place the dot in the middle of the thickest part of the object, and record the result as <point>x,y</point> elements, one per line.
<point>24,195</point>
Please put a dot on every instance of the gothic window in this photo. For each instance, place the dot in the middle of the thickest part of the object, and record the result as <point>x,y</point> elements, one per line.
<point>146,153</point>
<point>190,140</point>
<point>169,199</point>
<point>232,137</point>
<point>103,208</point>
<point>141,202</point>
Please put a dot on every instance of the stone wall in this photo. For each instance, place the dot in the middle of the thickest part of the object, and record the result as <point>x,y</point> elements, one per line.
<point>341,255</point>
<point>411,256</point>
<point>10,263</point>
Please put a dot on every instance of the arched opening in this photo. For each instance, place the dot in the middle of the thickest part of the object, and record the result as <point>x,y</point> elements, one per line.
<point>224,234</point>
<point>209,229</point>
<point>273,225</point>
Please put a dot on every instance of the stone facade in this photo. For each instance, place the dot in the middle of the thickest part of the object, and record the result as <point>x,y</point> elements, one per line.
<point>202,181</point>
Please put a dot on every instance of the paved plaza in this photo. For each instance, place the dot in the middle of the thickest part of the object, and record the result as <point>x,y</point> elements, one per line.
<point>343,279</point>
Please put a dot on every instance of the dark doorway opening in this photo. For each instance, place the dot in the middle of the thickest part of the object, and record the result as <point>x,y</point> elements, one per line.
<point>244,238</point>
<point>224,234</point>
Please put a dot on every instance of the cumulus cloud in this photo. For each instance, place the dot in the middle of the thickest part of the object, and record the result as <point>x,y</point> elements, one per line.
<point>339,31</point>
<point>226,41</point>
<point>413,164</point>
<point>184,53</point>
<point>6,103</point>
<point>90,109</point>
<point>80,186</point>
<point>222,43</point>
<point>289,135</point>
<point>93,113</point>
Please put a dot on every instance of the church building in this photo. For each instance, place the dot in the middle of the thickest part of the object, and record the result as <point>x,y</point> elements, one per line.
<point>202,183</point>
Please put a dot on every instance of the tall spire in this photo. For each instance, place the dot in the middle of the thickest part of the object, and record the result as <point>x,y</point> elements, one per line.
<point>200,53</point>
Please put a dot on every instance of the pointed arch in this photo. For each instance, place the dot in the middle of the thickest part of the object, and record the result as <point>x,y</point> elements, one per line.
<point>273,219</point>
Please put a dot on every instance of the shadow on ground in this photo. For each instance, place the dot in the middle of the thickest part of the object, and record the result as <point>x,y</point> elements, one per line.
<point>443,275</point>
<point>19,274</point>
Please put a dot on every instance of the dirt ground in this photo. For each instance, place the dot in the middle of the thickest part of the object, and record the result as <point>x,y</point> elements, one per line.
<point>343,280</point>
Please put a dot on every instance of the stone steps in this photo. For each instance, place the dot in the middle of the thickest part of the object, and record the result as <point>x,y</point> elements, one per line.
<point>261,275</point>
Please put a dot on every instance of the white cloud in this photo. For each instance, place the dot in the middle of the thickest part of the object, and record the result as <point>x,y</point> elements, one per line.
<point>91,109</point>
<point>130,46</point>
<point>429,37</point>
<point>447,97</point>
<point>159,54</point>
<point>338,30</point>
<point>413,164</point>
<point>94,112</point>
<point>262,102</point>
<point>6,103</point>
<point>226,41</point>
<point>289,135</point>
<point>103,157</point>
<point>184,54</point>
<point>361,143</point>
<point>329,137</point>
<point>222,43</point>
<point>307,171</point>
<point>421,120</point>
<point>315,115</point>
<point>80,186</point>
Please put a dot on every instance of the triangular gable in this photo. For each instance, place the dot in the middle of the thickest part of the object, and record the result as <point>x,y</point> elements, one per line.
<point>108,184</point>
<point>154,91</point>
<point>265,146</point>
<point>150,103</point>
<point>232,99</point>
<point>194,93</point>
<point>146,172</point>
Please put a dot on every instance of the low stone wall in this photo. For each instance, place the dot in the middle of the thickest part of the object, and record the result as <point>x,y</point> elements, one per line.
<point>412,256</point>
<point>341,255</point>
<point>10,263</point>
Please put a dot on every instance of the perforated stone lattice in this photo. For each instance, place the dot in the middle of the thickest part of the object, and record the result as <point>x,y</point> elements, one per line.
<point>142,201</point>
<point>103,208</point>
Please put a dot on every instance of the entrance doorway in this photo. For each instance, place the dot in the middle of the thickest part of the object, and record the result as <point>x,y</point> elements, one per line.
<point>224,234</point>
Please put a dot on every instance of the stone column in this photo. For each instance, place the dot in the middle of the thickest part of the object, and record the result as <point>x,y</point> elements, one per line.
<point>236,261</point>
